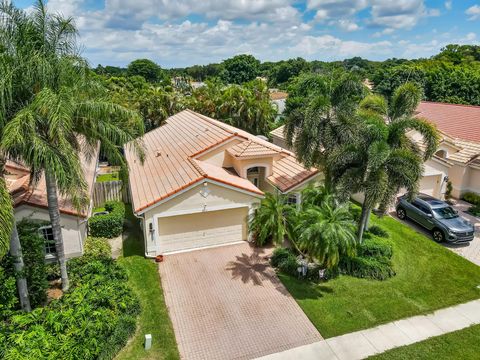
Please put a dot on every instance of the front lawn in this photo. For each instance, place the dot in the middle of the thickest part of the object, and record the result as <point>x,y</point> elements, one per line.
<point>108,177</point>
<point>429,277</point>
<point>461,344</point>
<point>144,279</point>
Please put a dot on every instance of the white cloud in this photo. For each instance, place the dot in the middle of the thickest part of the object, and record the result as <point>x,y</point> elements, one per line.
<point>399,14</point>
<point>448,5</point>
<point>348,25</point>
<point>473,12</point>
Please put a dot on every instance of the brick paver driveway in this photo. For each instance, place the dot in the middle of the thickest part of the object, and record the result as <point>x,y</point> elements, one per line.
<point>227,303</point>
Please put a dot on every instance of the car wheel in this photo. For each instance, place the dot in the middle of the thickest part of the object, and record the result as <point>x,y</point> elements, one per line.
<point>438,235</point>
<point>401,213</point>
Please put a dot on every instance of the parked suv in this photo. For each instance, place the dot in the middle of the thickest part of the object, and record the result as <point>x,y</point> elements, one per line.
<point>438,217</point>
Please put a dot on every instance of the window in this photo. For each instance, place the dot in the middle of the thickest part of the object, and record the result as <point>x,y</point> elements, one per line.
<point>441,154</point>
<point>292,199</point>
<point>422,207</point>
<point>255,181</point>
<point>47,233</point>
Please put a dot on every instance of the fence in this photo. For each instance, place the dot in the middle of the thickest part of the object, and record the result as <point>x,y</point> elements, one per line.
<point>108,191</point>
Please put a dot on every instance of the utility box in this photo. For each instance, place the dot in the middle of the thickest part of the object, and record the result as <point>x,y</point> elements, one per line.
<point>148,341</point>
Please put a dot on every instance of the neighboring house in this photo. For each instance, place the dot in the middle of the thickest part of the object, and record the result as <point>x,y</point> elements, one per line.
<point>200,180</point>
<point>278,98</point>
<point>458,155</point>
<point>31,202</point>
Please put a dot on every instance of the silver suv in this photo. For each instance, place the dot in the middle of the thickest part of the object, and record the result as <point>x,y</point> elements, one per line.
<point>438,217</point>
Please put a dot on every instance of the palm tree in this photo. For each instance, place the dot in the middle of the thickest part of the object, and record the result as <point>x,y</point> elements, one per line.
<point>384,159</point>
<point>61,113</point>
<point>320,116</point>
<point>273,220</point>
<point>326,233</point>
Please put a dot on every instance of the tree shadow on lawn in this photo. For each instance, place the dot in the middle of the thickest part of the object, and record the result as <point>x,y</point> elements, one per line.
<point>305,289</point>
<point>132,234</point>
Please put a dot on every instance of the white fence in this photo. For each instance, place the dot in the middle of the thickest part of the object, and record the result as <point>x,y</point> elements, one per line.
<point>108,191</point>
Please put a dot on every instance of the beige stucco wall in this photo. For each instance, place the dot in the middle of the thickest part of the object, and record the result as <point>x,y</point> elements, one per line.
<point>242,165</point>
<point>217,156</point>
<point>473,180</point>
<point>191,201</point>
<point>74,229</point>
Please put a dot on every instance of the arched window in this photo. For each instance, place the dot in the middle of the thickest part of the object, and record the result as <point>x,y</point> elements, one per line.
<point>441,154</point>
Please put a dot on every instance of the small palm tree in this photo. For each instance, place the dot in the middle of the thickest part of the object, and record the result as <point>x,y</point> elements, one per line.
<point>326,233</point>
<point>273,220</point>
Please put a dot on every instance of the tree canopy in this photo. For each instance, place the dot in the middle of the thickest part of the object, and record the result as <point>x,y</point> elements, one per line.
<point>240,69</point>
<point>149,70</point>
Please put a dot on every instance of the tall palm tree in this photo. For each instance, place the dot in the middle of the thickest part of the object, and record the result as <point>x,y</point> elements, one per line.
<point>60,113</point>
<point>383,159</point>
<point>326,233</point>
<point>320,116</point>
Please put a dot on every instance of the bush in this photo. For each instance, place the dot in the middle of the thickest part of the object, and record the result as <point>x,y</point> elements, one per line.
<point>279,255</point>
<point>376,247</point>
<point>94,319</point>
<point>378,231</point>
<point>8,294</point>
<point>97,246</point>
<point>379,268</point>
<point>52,271</point>
<point>472,198</point>
<point>109,225</point>
<point>474,210</point>
<point>289,265</point>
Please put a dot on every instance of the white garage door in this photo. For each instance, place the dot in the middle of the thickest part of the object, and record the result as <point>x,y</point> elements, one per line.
<point>184,232</point>
<point>430,184</point>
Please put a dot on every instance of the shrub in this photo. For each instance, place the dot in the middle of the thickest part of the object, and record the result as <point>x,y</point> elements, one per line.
<point>474,210</point>
<point>472,198</point>
<point>376,247</point>
<point>109,225</point>
<point>8,294</point>
<point>52,271</point>
<point>279,255</point>
<point>379,268</point>
<point>289,265</point>
<point>378,231</point>
<point>93,320</point>
<point>97,246</point>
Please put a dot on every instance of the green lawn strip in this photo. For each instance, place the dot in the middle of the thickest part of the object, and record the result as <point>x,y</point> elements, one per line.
<point>144,278</point>
<point>461,344</point>
<point>108,177</point>
<point>429,277</point>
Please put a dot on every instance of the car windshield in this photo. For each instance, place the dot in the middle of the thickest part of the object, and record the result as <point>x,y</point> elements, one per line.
<point>446,212</point>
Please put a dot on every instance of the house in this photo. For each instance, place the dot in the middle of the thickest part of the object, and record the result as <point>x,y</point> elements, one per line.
<point>278,98</point>
<point>30,202</point>
<point>458,156</point>
<point>200,180</point>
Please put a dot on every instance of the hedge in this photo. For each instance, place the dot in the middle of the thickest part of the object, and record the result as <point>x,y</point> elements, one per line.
<point>93,320</point>
<point>109,225</point>
<point>472,198</point>
<point>97,246</point>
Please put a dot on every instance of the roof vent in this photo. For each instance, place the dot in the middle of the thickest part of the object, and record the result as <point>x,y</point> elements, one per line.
<point>158,154</point>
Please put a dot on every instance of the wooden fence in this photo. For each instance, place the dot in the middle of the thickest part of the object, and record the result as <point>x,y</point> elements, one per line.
<point>108,191</point>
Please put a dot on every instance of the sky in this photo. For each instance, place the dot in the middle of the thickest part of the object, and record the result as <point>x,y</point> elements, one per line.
<point>188,32</point>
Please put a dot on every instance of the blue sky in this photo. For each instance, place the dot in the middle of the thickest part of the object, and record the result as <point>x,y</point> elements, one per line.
<point>186,32</point>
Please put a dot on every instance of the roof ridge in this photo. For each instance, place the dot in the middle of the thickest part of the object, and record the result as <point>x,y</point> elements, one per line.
<point>197,167</point>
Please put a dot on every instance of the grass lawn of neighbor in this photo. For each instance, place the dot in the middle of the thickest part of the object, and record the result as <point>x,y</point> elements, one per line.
<point>461,344</point>
<point>429,277</point>
<point>153,319</point>
<point>108,177</point>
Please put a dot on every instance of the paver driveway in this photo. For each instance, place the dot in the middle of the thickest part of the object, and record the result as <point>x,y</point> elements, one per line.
<point>227,303</point>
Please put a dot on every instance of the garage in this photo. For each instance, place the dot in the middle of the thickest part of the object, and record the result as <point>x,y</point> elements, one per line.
<point>430,185</point>
<point>202,229</point>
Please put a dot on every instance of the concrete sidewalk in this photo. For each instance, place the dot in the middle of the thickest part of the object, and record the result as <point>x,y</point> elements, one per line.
<point>364,343</point>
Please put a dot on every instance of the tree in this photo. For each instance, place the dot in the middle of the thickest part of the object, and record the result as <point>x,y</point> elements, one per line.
<point>326,233</point>
<point>146,68</point>
<point>272,221</point>
<point>240,69</point>
<point>63,116</point>
<point>283,71</point>
<point>383,159</point>
<point>320,116</point>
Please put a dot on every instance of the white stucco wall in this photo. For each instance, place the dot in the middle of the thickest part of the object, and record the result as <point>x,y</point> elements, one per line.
<point>74,229</point>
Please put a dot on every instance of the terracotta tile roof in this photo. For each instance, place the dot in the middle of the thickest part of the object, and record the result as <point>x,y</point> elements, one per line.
<point>278,95</point>
<point>278,132</point>
<point>251,148</point>
<point>287,173</point>
<point>24,193</point>
<point>170,166</point>
<point>457,121</point>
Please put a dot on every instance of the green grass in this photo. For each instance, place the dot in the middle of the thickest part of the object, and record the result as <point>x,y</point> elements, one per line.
<point>108,177</point>
<point>144,278</point>
<point>461,344</point>
<point>428,277</point>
